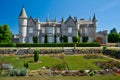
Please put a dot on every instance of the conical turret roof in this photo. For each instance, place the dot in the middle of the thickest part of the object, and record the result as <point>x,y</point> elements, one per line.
<point>23,13</point>
<point>94,17</point>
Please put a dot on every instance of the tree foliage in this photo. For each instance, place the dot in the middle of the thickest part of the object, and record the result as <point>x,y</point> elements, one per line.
<point>65,39</point>
<point>46,38</point>
<point>36,56</point>
<point>113,31</point>
<point>75,39</point>
<point>55,38</point>
<point>113,36</point>
<point>61,39</point>
<point>26,65</point>
<point>85,39</point>
<point>35,39</point>
<point>5,34</point>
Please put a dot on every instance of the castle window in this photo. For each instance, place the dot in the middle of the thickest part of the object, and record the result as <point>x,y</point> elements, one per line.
<point>50,30</point>
<point>30,40</point>
<point>70,39</point>
<point>58,30</point>
<point>58,39</point>
<point>69,29</point>
<point>30,30</point>
<point>86,30</point>
<point>43,30</point>
<point>43,38</point>
<point>50,39</point>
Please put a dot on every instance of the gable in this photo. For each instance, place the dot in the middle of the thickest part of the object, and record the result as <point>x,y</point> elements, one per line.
<point>70,22</point>
<point>31,22</point>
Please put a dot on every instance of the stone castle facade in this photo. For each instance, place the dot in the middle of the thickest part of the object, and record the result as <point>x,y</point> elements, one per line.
<point>29,27</point>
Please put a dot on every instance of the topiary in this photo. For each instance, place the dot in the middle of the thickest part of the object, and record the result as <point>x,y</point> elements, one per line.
<point>36,56</point>
<point>26,65</point>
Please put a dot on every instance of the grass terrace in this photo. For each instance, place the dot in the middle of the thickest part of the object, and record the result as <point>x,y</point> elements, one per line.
<point>75,62</point>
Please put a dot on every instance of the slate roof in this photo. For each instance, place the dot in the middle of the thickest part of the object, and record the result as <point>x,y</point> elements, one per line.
<point>23,13</point>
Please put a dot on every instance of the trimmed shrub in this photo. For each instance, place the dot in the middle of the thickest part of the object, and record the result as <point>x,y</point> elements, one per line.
<point>104,47</point>
<point>85,39</point>
<point>8,45</point>
<point>75,39</point>
<point>36,56</point>
<point>52,45</point>
<point>46,39</point>
<point>26,65</point>
<point>88,45</point>
<point>35,39</point>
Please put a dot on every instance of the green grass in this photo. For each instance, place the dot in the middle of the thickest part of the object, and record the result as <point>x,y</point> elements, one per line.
<point>106,77</point>
<point>79,62</point>
<point>74,62</point>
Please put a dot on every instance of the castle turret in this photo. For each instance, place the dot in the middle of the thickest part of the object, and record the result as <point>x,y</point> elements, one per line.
<point>22,21</point>
<point>94,20</point>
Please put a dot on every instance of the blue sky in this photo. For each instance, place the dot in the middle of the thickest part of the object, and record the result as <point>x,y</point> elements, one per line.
<point>107,11</point>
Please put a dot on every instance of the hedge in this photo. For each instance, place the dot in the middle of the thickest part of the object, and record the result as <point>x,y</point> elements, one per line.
<point>88,45</point>
<point>8,45</point>
<point>46,45</point>
<point>52,45</point>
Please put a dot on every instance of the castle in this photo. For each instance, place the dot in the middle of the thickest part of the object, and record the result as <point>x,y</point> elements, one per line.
<point>29,27</point>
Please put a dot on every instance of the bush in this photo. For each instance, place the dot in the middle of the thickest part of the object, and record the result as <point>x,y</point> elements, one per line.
<point>8,45</point>
<point>104,47</point>
<point>26,65</point>
<point>88,45</point>
<point>23,72</point>
<point>51,45</point>
<point>36,56</point>
<point>17,72</point>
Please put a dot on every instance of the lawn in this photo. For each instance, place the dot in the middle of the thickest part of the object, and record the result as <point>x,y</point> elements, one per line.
<point>77,62</point>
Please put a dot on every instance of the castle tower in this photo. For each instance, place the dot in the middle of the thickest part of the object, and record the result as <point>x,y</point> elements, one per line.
<point>92,34</point>
<point>22,21</point>
<point>94,20</point>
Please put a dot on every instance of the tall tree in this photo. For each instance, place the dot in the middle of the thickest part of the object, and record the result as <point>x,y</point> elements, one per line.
<point>65,39</point>
<point>55,38</point>
<point>35,39</point>
<point>113,30</point>
<point>46,39</point>
<point>113,36</point>
<point>75,39</point>
<point>5,34</point>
